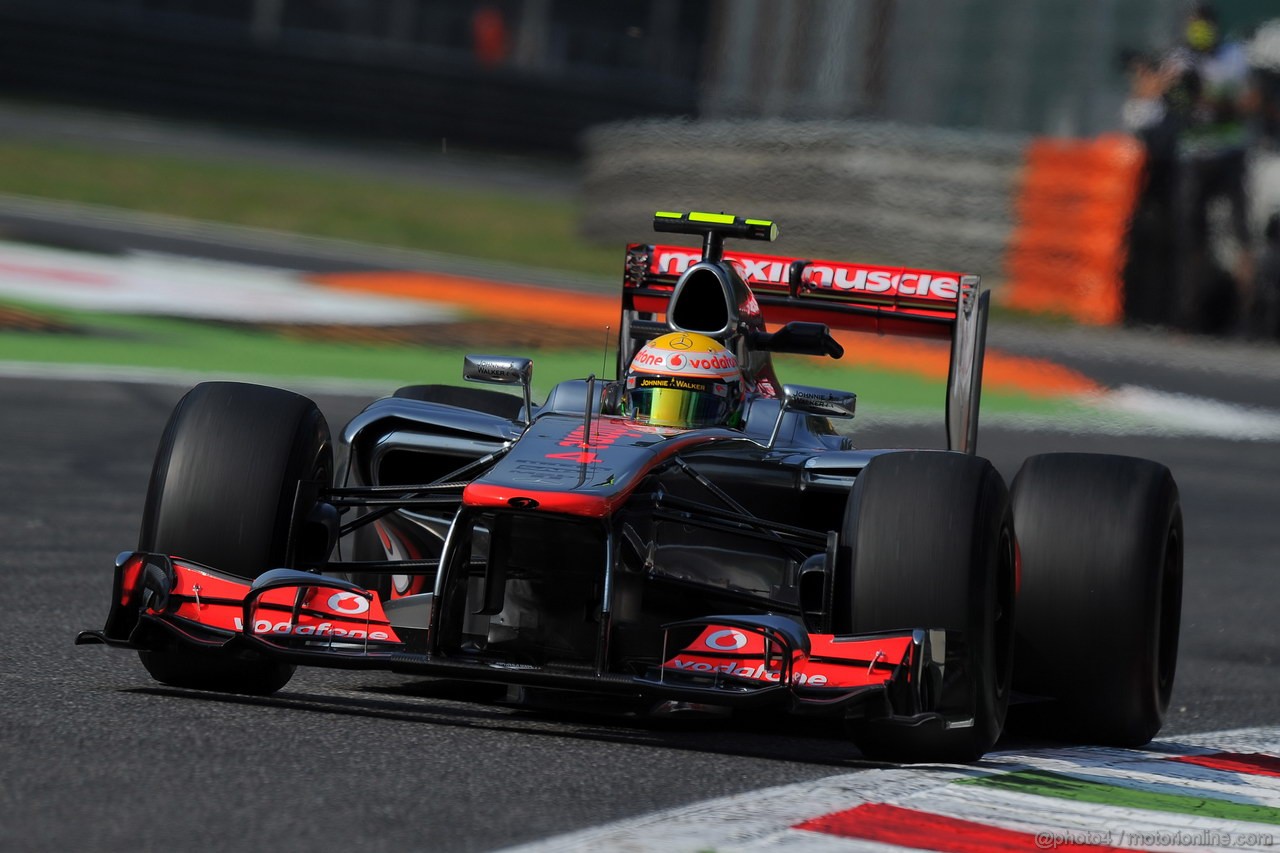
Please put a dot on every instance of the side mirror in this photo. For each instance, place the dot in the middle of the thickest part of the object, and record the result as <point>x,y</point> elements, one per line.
<point>497,369</point>
<point>800,338</point>
<point>819,401</point>
<point>502,370</point>
<point>822,402</point>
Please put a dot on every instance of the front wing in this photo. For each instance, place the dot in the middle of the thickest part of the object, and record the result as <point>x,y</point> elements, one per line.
<point>747,660</point>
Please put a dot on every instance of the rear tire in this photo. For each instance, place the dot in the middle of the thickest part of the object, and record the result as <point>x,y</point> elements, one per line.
<point>222,493</point>
<point>1101,596</point>
<point>932,545</point>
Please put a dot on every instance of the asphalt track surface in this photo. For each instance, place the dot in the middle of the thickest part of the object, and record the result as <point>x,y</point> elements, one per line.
<point>98,757</point>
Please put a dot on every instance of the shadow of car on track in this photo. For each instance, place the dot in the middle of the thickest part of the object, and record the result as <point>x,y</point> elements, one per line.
<point>481,707</point>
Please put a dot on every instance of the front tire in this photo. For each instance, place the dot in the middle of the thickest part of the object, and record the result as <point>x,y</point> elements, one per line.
<point>931,537</point>
<point>1101,598</point>
<point>222,493</point>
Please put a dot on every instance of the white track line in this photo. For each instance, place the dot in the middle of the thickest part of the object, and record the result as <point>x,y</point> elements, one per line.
<point>764,819</point>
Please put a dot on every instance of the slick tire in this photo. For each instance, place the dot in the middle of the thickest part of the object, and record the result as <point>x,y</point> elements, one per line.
<point>1101,596</point>
<point>931,545</point>
<point>222,493</point>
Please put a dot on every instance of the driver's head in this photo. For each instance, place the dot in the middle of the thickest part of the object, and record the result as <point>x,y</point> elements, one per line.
<point>684,380</point>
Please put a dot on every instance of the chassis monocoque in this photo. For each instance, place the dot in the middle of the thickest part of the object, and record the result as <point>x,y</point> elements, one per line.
<point>562,549</point>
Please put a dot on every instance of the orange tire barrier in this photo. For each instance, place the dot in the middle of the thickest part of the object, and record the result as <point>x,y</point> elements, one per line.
<point>1067,252</point>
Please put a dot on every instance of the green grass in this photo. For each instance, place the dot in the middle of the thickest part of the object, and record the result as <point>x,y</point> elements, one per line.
<point>124,340</point>
<point>488,225</point>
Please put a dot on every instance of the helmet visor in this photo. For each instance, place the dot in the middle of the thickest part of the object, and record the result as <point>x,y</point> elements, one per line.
<point>678,407</point>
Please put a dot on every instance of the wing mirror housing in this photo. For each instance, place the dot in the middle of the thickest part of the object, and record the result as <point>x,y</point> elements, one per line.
<point>502,370</point>
<point>799,338</point>
<point>821,402</point>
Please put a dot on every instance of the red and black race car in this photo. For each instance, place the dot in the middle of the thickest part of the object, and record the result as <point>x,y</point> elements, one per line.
<point>756,560</point>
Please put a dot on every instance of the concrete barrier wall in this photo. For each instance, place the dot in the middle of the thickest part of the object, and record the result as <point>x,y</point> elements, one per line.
<point>864,191</point>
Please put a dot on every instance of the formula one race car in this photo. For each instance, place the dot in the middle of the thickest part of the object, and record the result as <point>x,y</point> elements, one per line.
<point>689,536</point>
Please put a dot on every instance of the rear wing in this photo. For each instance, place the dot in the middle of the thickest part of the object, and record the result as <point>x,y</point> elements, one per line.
<point>856,297</point>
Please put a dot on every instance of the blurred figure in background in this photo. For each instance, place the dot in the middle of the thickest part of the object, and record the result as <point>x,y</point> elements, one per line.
<point>1214,99</point>
<point>1152,255</point>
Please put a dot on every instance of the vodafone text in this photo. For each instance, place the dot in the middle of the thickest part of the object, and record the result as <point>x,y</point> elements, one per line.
<point>646,358</point>
<point>757,672</point>
<point>709,363</point>
<point>324,629</point>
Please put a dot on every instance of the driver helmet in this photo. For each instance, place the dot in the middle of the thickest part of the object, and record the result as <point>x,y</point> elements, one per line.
<point>684,380</point>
